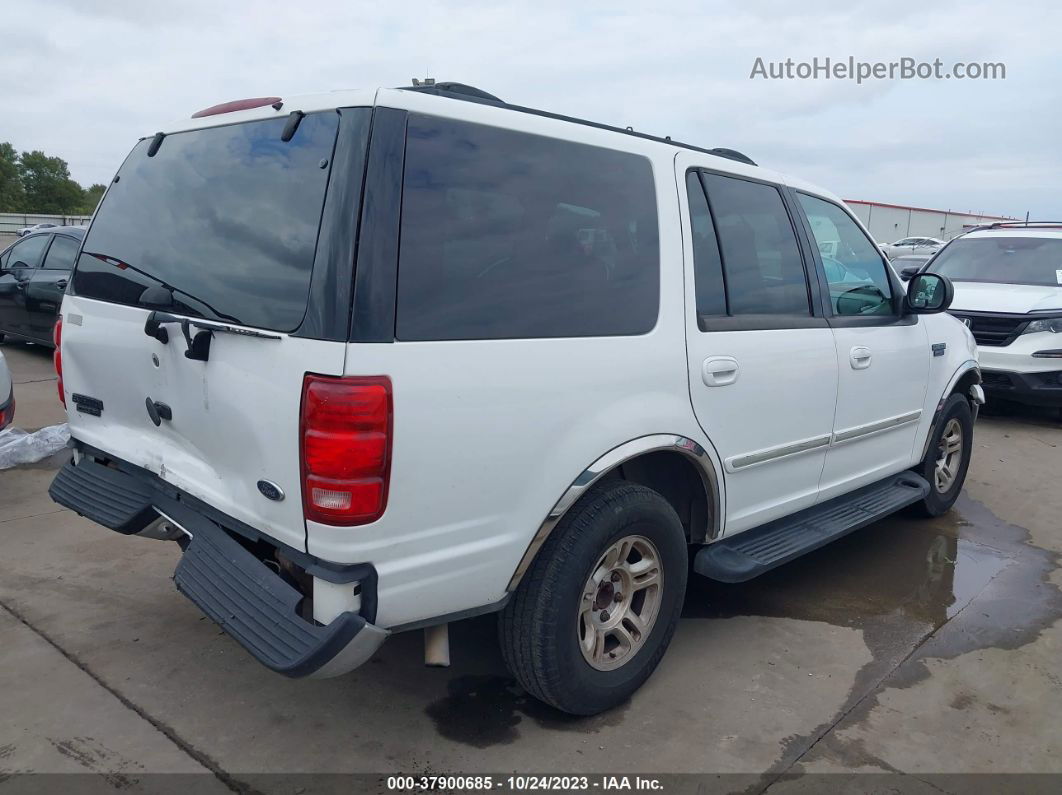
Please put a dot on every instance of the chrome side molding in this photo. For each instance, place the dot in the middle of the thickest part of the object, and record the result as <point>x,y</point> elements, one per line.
<point>871,428</point>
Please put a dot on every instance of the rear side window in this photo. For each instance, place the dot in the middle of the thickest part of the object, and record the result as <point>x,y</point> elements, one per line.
<point>707,263</point>
<point>761,258</point>
<point>511,235</point>
<point>61,254</point>
<point>227,217</point>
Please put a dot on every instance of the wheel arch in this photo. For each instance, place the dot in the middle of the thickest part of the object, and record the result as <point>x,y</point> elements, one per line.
<point>652,461</point>
<point>963,381</point>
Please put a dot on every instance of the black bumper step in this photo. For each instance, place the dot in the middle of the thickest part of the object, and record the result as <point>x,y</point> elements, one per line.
<point>250,601</point>
<point>105,495</point>
<point>255,606</point>
<point>753,552</point>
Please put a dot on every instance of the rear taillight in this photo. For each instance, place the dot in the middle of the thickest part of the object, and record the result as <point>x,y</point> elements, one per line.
<point>346,448</point>
<point>7,413</point>
<point>57,357</point>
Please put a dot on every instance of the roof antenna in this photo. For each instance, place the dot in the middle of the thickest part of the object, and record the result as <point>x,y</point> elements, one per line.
<point>427,81</point>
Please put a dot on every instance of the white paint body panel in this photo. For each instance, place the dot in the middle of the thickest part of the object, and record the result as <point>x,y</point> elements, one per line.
<point>235,417</point>
<point>891,384</point>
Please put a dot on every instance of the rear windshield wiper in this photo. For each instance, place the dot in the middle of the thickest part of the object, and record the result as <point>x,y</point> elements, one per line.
<point>156,304</point>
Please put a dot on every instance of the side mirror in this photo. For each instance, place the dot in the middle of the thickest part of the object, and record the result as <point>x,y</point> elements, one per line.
<point>928,293</point>
<point>909,272</point>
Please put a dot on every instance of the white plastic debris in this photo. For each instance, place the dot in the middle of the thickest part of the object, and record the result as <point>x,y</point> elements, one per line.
<point>18,447</point>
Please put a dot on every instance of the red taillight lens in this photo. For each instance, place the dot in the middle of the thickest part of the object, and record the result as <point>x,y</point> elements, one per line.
<point>346,448</point>
<point>57,357</point>
<point>7,414</point>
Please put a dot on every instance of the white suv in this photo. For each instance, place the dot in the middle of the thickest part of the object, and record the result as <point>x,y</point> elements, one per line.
<point>382,360</point>
<point>1008,291</point>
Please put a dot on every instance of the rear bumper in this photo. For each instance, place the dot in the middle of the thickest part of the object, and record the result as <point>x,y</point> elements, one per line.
<point>218,571</point>
<point>1033,389</point>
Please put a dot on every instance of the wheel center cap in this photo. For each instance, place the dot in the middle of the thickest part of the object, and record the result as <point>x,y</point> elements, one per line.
<point>604,597</point>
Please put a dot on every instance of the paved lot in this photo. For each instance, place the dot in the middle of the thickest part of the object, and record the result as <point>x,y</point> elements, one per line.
<point>912,647</point>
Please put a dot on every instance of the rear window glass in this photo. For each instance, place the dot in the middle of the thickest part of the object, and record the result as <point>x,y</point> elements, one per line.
<point>761,257</point>
<point>1002,260</point>
<point>61,253</point>
<point>227,217</point>
<point>510,235</point>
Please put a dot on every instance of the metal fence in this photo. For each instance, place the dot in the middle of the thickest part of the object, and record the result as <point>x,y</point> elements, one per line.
<point>10,223</point>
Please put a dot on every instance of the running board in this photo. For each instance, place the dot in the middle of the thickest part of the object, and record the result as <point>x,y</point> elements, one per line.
<point>753,552</point>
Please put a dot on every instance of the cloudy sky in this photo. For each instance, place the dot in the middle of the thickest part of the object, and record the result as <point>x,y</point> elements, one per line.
<point>83,80</point>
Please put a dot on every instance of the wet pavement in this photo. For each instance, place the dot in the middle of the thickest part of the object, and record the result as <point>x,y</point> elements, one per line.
<point>912,647</point>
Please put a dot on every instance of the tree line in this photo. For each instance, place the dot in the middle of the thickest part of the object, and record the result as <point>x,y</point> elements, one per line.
<point>34,183</point>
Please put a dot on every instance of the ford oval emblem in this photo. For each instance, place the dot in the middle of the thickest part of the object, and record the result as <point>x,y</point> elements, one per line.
<point>271,490</point>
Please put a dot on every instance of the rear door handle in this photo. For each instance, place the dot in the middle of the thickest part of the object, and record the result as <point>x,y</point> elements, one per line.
<point>720,370</point>
<point>61,284</point>
<point>860,357</point>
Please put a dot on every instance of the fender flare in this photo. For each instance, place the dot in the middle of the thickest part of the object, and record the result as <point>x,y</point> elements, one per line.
<point>690,449</point>
<point>977,396</point>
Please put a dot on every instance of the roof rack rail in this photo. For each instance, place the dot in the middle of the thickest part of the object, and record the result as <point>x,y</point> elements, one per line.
<point>469,93</point>
<point>1015,225</point>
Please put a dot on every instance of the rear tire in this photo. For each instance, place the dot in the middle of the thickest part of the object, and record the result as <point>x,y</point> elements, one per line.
<point>947,458</point>
<point>590,621</point>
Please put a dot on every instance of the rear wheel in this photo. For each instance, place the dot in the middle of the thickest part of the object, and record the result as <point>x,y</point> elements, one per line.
<point>596,610</point>
<point>948,457</point>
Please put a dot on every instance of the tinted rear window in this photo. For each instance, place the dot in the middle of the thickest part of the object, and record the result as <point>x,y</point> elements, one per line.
<point>509,235</point>
<point>225,216</point>
<point>61,254</point>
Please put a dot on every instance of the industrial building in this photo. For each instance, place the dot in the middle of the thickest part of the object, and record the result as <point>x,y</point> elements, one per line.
<point>890,222</point>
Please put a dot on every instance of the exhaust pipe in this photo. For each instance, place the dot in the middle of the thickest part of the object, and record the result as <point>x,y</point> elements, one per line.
<point>437,646</point>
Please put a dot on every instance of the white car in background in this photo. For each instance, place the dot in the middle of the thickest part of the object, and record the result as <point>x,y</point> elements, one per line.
<point>34,228</point>
<point>1008,292</point>
<point>912,245</point>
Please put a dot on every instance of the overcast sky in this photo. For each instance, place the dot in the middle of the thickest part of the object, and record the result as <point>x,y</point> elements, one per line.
<point>83,80</point>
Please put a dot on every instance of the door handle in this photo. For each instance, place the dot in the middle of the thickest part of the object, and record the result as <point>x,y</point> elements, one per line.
<point>720,370</point>
<point>860,357</point>
<point>61,284</point>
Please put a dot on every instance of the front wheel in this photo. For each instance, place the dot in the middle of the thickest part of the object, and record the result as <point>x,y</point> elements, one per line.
<point>596,610</point>
<point>948,457</point>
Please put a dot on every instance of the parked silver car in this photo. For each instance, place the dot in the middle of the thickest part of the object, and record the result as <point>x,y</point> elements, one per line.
<point>34,228</point>
<point>912,245</point>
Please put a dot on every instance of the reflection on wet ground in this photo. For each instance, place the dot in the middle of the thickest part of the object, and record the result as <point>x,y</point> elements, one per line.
<point>898,581</point>
<point>924,571</point>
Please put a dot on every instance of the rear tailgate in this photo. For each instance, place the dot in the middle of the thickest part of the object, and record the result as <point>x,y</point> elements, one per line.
<point>235,417</point>
<point>217,226</point>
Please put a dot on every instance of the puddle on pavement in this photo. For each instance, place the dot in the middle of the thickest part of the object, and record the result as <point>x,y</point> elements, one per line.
<point>898,581</point>
<point>923,571</point>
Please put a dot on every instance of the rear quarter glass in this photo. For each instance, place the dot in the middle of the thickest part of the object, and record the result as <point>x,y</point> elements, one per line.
<point>508,234</point>
<point>227,217</point>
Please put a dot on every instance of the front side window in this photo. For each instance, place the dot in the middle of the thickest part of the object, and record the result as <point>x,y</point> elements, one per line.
<point>855,271</point>
<point>511,235</point>
<point>1002,260</point>
<point>761,258</point>
<point>224,217</point>
<point>61,254</point>
<point>27,253</point>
